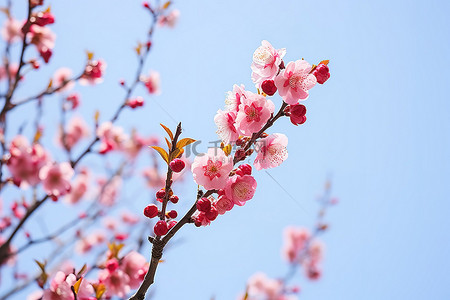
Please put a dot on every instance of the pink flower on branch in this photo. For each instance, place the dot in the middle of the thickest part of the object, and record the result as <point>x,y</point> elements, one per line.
<point>266,63</point>
<point>93,73</point>
<point>271,151</point>
<point>226,127</point>
<point>240,189</point>
<point>294,82</point>
<point>44,40</point>
<point>12,30</point>
<point>25,161</point>
<point>61,78</point>
<point>254,111</point>
<point>56,178</point>
<point>211,169</point>
<point>152,82</point>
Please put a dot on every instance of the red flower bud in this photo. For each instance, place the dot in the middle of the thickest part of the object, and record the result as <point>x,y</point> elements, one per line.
<point>174,199</point>
<point>172,214</point>
<point>161,193</point>
<point>43,18</point>
<point>151,211</point>
<point>297,114</point>
<point>172,223</point>
<point>160,228</point>
<point>268,87</point>
<point>212,214</point>
<point>322,73</point>
<point>204,205</point>
<point>177,165</point>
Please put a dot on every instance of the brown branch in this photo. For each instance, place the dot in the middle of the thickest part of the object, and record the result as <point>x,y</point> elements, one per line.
<point>159,244</point>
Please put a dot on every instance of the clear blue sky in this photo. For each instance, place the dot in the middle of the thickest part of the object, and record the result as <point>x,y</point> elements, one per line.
<point>380,126</point>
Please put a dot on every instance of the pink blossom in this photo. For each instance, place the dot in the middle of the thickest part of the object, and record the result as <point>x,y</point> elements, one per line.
<point>56,178</point>
<point>254,111</point>
<point>13,68</point>
<point>117,282</point>
<point>294,82</point>
<point>312,270</point>
<point>85,244</point>
<point>76,130</point>
<point>266,63</point>
<point>262,287</point>
<point>85,291</point>
<point>12,30</point>
<point>223,204</point>
<point>129,218</point>
<point>271,151</point>
<point>110,191</point>
<point>295,241</point>
<point>93,73</point>
<point>62,78</point>
<point>74,100</point>
<point>211,169</point>
<point>25,161</point>
<point>226,127</point>
<point>60,287</point>
<point>135,266</point>
<point>170,20</point>
<point>153,178</point>
<point>315,251</point>
<point>134,145</point>
<point>79,188</point>
<point>240,188</point>
<point>43,38</point>
<point>233,98</point>
<point>152,82</point>
<point>112,137</point>
<point>110,223</point>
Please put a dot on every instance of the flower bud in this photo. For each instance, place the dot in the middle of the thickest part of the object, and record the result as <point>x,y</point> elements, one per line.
<point>297,114</point>
<point>212,214</point>
<point>322,73</point>
<point>174,199</point>
<point>268,87</point>
<point>204,205</point>
<point>177,165</point>
<point>151,211</point>
<point>160,228</point>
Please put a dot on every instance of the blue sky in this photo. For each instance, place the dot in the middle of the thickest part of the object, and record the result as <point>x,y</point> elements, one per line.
<point>380,126</point>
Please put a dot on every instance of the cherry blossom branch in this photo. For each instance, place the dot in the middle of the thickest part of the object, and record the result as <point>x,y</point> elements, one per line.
<point>48,91</point>
<point>13,85</point>
<point>158,243</point>
<point>142,59</point>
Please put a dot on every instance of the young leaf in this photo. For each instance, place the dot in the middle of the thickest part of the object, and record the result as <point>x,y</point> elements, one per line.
<point>166,5</point>
<point>184,142</point>
<point>174,154</point>
<point>83,269</point>
<point>168,143</point>
<point>325,62</point>
<point>90,55</point>
<point>162,152</point>
<point>77,284</point>
<point>168,131</point>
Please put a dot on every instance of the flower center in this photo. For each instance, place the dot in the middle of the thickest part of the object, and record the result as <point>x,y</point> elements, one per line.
<point>253,113</point>
<point>262,56</point>
<point>212,169</point>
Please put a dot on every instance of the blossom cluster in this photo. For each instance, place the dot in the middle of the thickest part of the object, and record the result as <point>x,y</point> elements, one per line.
<point>243,122</point>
